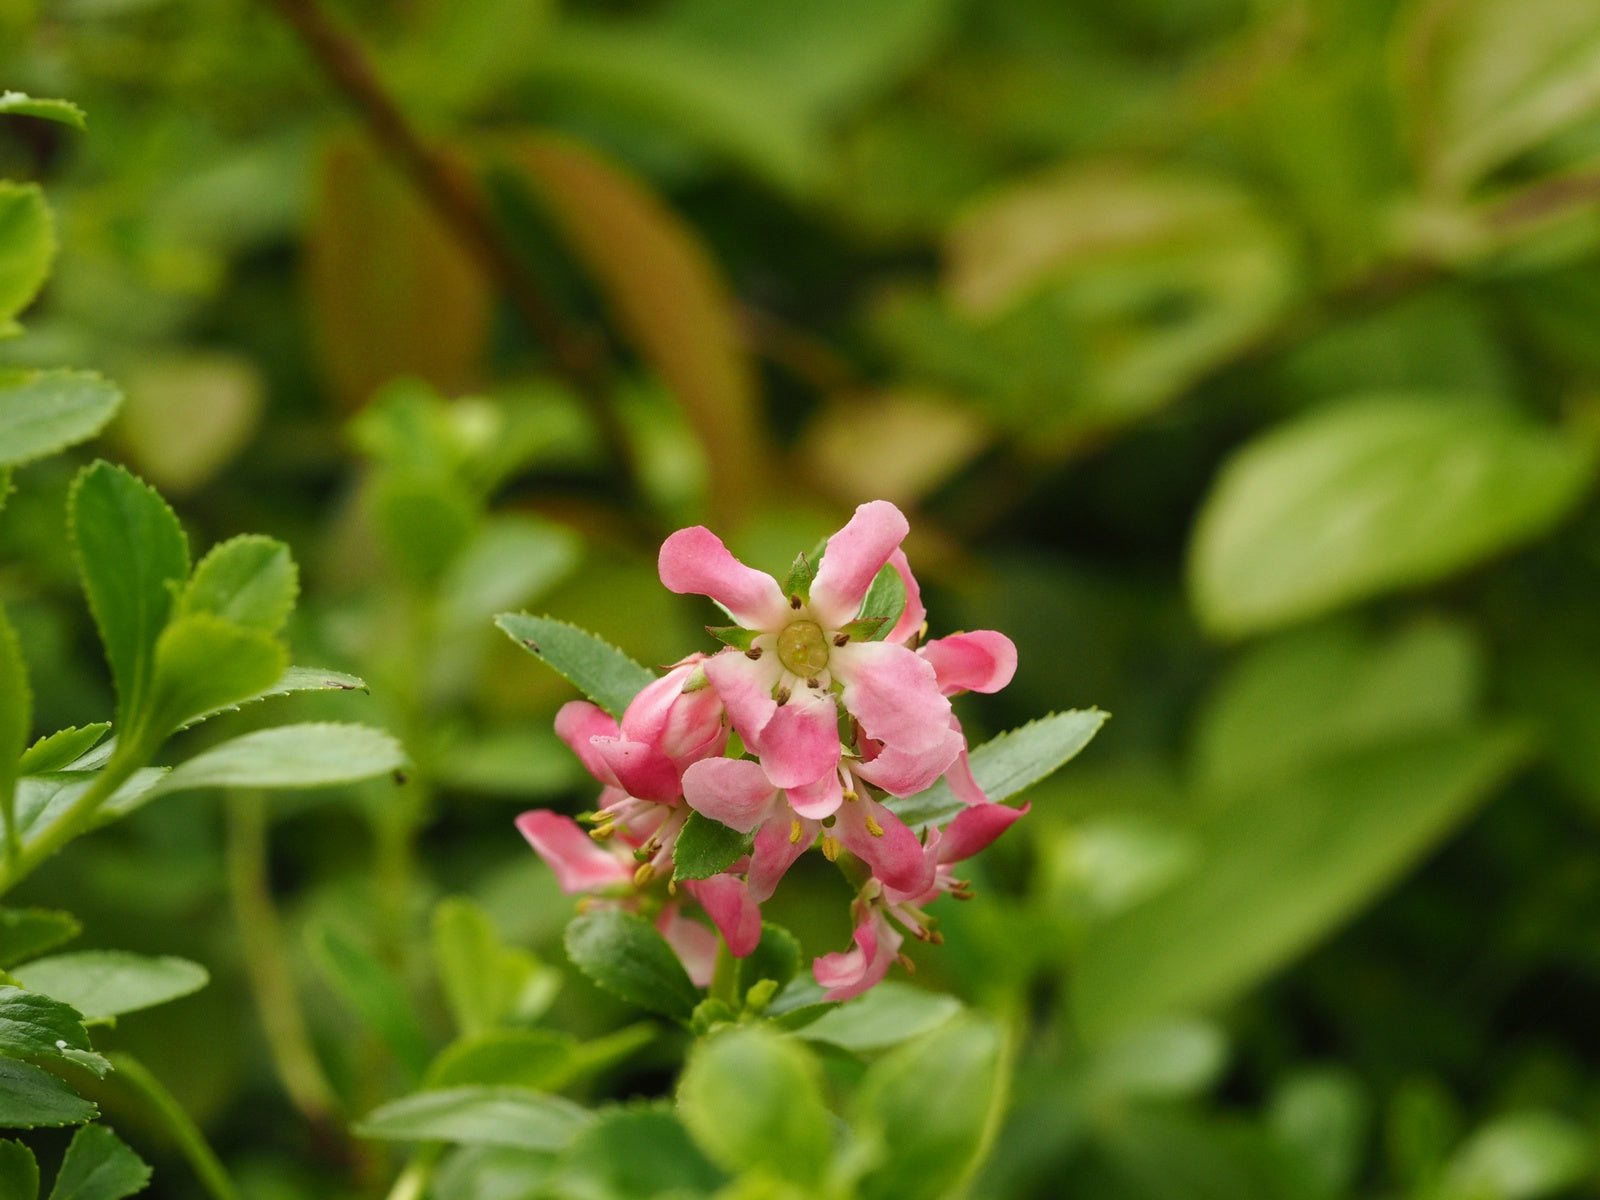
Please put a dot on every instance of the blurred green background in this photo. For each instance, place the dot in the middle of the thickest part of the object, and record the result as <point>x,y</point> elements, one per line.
<point>1238,358</point>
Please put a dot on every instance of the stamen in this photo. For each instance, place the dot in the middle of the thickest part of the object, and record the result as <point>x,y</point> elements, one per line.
<point>873,827</point>
<point>781,696</point>
<point>905,961</point>
<point>645,873</point>
<point>796,831</point>
<point>753,653</point>
<point>794,601</point>
<point>841,639</point>
<point>830,847</point>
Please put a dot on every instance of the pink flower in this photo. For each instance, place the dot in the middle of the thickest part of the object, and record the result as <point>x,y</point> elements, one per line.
<point>779,692</point>
<point>848,973</point>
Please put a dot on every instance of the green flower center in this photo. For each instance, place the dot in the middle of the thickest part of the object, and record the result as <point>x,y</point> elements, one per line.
<point>803,648</point>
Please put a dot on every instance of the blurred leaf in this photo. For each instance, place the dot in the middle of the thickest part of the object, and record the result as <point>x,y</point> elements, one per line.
<point>1423,1124</point>
<point>27,244</point>
<point>1518,1157</point>
<point>1168,1060</point>
<point>1009,764</point>
<point>1166,1153</point>
<point>108,983</point>
<point>599,670</point>
<point>33,1099</point>
<point>509,561</point>
<point>1314,694</point>
<point>661,1161</point>
<point>16,720</point>
<point>776,957</point>
<point>132,555</point>
<point>43,412</point>
<point>390,291</point>
<point>311,755</point>
<point>478,1116</point>
<point>540,1059</point>
<point>187,417</point>
<point>19,1172</point>
<point>889,1014</point>
<point>920,438</point>
<point>425,522</point>
<point>249,580</point>
<point>779,1123</point>
<point>625,955</point>
<point>63,112</point>
<point>458,54</point>
<point>375,996</point>
<point>706,847</point>
<point>28,932</point>
<point>485,982</point>
<point>1324,1117</point>
<point>1281,867</point>
<point>670,300</point>
<point>935,1102</point>
<point>61,749</point>
<point>43,799</point>
<point>1369,496</point>
<point>204,663</point>
<point>99,1166</point>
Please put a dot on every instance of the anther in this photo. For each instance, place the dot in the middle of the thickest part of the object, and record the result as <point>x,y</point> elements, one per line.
<point>905,961</point>
<point>873,827</point>
<point>753,653</point>
<point>794,601</point>
<point>782,696</point>
<point>796,831</point>
<point>830,848</point>
<point>644,874</point>
<point>841,639</point>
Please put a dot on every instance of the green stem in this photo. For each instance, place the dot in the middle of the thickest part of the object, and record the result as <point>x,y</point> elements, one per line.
<point>133,1077</point>
<point>725,976</point>
<point>71,822</point>
<point>413,1181</point>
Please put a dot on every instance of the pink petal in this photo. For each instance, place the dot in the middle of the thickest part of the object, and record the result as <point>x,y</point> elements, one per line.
<point>963,785</point>
<point>981,661</point>
<point>895,696</point>
<point>775,851</point>
<point>694,561</point>
<point>914,614</point>
<point>734,791</point>
<point>895,855</point>
<point>745,687</point>
<point>975,828</point>
<point>817,800</point>
<point>849,973</point>
<point>692,942</point>
<point>641,769</point>
<point>728,903</point>
<point>854,555</point>
<point>907,772</point>
<point>684,726</point>
<point>580,865</point>
<point>800,743</point>
<point>578,722</point>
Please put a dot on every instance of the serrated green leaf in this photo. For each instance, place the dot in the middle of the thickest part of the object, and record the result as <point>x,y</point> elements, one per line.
<point>132,555</point>
<point>706,847</point>
<point>889,1014</point>
<point>35,1099</point>
<point>884,602</point>
<point>43,799</point>
<point>35,1025</point>
<point>99,1166</point>
<point>27,244</point>
<point>313,755</point>
<point>64,112</point>
<point>1009,764</point>
<point>625,955</point>
<point>203,663</point>
<point>28,932</point>
<point>485,982</point>
<point>59,750</point>
<point>1370,496</point>
<point>779,1124</point>
<point>292,681</point>
<point>374,995</point>
<point>16,719</point>
<point>250,580</point>
<point>44,412</point>
<point>478,1116</point>
<point>602,672</point>
<point>19,1171</point>
<point>108,983</point>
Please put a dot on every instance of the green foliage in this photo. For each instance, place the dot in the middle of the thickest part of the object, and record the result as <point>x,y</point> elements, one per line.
<point>204,663</point>
<point>102,984</point>
<point>32,1099</point>
<point>374,995</point>
<point>486,983</point>
<point>889,1014</point>
<point>479,1116</point>
<point>28,932</point>
<point>63,111</point>
<point>16,716</point>
<point>250,581</point>
<point>99,1166</point>
<point>19,1172</point>
<point>602,672</point>
<point>290,756</point>
<point>706,847</point>
<point>44,412</point>
<point>27,236</point>
<point>625,955</point>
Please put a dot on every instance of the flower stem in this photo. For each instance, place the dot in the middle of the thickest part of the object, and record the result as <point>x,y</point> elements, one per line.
<point>132,1075</point>
<point>412,1183</point>
<point>725,976</point>
<point>71,821</point>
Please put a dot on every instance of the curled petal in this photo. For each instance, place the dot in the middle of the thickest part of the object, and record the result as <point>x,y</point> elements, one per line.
<point>745,686</point>
<point>846,974</point>
<point>817,800</point>
<point>800,743</point>
<point>854,555</point>
<point>893,851</point>
<point>964,785</point>
<point>579,864</point>
<point>981,661</point>
<point>907,772</point>
<point>781,839</point>
<point>692,942</point>
<point>895,696</point>
<point>577,724</point>
<point>734,791</point>
<point>694,561</point>
<point>914,614</point>
<point>975,828</point>
<point>683,725</point>
<point>728,903</point>
<point>641,769</point>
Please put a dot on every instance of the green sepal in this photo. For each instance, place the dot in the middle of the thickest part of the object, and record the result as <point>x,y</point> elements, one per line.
<point>736,636</point>
<point>884,602</point>
<point>865,629</point>
<point>707,847</point>
<point>797,583</point>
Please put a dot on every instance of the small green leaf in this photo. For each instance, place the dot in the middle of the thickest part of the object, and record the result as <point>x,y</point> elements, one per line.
<point>99,1166</point>
<point>478,1116</point>
<point>27,244</point>
<point>59,750</point>
<point>203,663</point>
<point>884,602</point>
<point>801,575</point>
<point>61,111</point>
<point>19,1172</point>
<point>35,1099</point>
<point>509,561</point>
<point>28,932</point>
<point>485,982</point>
<point>707,847</point>
<point>625,955</point>
<point>779,1122</point>
<point>936,1102</point>
<point>736,636</point>
<point>16,719</point>
<point>44,412</point>
<point>108,983</point>
<point>866,629</point>
<point>132,555</point>
<point>1009,764</point>
<point>34,1025</point>
<point>661,1158</point>
<point>426,522</point>
<point>889,1014</point>
<point>374,995</point>
<point>776,958</point>
<point>540,1059</point>
<point>313,755</point>
<point>1519,1156</point>
<point>249,580</point>
<point>602,672</point>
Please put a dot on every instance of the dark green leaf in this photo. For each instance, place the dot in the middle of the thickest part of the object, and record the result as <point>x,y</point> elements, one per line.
<point>59,750</point>
<point>291,756</point>
<point>478,1116</point>
<point>43,412</point>
<point>34,1025</point>
<point>62,111</point>
<point>661,1159</point>
<point>250,581</point>
<point>16,720</point>
<point>28,932</point>
<point>776,957</point>
<point>602,672</point>
<point>27,244</point>
<point>624,954</point>
<point>707,847</point>
<point>426,522</point>
<point>19,1172</point>
<point>886,1016</point>
<point>108,983</point>
<point>33,1099</point>
<point>99,1166</point>
<point>373,994</point>
<point>884,602</point>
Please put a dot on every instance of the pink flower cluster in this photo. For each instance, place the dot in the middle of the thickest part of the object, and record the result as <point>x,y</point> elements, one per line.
<point>832,712</point>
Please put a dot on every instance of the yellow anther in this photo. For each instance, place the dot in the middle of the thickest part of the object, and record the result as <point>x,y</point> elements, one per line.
<point>644,874</point>
<point>830,847</point>
<point>849,795</point>
<point>873,827</point>
<point>796,831</point>
<point>601,832</point>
